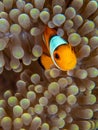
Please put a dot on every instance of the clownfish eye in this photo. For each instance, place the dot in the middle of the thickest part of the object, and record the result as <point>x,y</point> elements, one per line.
<point>56,56</point>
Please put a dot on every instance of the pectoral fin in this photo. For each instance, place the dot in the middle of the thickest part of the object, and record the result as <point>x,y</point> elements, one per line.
<point>46,61</point>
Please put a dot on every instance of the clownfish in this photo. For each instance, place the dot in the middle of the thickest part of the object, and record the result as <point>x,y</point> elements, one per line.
<point>57,51</point>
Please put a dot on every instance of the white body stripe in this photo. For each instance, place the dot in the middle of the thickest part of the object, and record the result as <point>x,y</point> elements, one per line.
<point>55,42</point>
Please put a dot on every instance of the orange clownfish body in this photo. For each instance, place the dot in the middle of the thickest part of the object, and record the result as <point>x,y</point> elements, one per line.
<point>57,51</point>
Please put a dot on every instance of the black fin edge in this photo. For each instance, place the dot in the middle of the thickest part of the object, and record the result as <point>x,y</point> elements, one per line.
<point>39,61</point>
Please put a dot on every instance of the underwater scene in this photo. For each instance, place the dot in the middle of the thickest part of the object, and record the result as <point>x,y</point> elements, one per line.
<point>48,64</point>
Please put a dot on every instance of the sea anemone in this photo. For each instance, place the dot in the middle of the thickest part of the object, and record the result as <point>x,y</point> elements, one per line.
<point>34,98</point>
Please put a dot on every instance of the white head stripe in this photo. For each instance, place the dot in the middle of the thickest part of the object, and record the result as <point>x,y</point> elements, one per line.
<point>54,43</point>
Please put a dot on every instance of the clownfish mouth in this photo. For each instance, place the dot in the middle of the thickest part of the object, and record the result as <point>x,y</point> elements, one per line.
<point>70,62</point>
<point>70,65</point>
<point>66,66</point>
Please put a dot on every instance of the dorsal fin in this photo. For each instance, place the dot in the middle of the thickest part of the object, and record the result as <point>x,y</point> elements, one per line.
<point>48,33</point>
